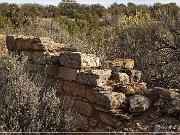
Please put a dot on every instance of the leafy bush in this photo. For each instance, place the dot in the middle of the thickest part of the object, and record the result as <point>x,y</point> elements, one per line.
<point>26,106</point>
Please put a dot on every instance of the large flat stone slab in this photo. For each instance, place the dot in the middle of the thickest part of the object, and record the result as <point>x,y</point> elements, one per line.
<point>121,63</point>
<point>107,99</point>
<point>94,77</point>
<point>78,60</point>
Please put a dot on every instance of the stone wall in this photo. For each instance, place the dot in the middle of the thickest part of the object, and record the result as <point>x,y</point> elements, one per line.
<point>112,99</point>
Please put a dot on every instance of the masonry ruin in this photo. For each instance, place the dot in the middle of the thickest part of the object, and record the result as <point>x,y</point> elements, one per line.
<point>112,99</point>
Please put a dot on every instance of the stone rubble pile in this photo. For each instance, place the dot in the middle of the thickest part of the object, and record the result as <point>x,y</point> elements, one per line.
<point>108,99</point>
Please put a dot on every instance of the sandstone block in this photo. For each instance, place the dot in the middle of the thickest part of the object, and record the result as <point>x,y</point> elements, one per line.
<point>121,63</point>
<point>134,75</point>
<point>133,88</point>
<point>24,44</point>
<point>94,77</point>
<point>39,57</point>
<point>10,42</point>
<point>39,47</point>
<point>116,100</point>
<point>83,108</point>
<point>107,99</point>
<point>74,89</point>
<point>78,60</point>
<point>121,78</point>
<point>139,103</point>
<point>98,97</point>
<point>68,74</point>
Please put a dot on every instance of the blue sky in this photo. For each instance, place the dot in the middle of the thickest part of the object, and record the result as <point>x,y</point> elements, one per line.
<point>103,2</point>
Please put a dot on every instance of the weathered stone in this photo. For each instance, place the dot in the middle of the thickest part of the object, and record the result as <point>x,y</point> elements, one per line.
<point>103,74</point>
<point>116,100</point>
<point>74,89</point>
<point>78,60</point>
<point>108,99</point>
<point>24,44</point>
<point>98,97</point>
<point>133,88</point>
<point>94,77</point>
<point>39,57</point>
<point>10,42</point>
<point>39,47</point>
<point>69,74</point>
<point>108,119</point>
<point>121,63</point>
<point>118,77</point>
<point>83,108</point>
<point>139,103</point>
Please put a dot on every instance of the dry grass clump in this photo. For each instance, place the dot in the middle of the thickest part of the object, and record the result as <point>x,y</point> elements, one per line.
<point>26,106</point>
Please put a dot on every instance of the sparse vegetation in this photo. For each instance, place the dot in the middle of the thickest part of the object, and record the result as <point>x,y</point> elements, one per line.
<point>27,106</point>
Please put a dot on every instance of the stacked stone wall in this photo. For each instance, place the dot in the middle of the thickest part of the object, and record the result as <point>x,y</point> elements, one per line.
<point>111,99</point>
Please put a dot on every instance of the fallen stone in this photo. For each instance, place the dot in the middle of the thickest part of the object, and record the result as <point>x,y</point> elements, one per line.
<point>78,60</point>
<point>139,103</point>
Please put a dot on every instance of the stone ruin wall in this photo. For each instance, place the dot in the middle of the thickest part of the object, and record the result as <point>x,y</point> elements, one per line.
<point>112,99</point>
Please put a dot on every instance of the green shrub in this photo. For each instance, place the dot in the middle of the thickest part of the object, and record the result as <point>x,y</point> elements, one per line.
<point>4,23</point>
